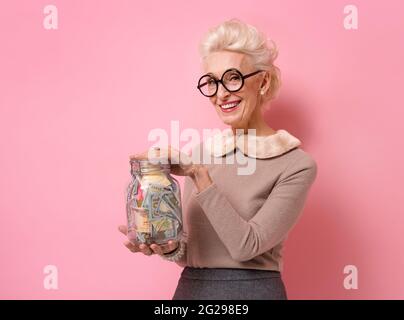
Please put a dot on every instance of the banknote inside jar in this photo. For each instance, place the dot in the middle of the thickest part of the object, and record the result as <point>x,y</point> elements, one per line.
<point>156,214</point>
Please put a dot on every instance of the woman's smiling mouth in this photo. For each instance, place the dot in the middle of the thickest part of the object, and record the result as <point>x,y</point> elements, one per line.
<point>230,106</point>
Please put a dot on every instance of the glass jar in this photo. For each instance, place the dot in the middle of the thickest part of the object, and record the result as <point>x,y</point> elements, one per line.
<point>154,210</point>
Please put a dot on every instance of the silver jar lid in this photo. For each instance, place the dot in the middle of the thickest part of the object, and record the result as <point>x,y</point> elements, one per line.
<point>147,166</point>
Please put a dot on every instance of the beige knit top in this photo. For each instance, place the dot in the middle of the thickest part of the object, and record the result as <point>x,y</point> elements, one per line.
<point>242,221</point>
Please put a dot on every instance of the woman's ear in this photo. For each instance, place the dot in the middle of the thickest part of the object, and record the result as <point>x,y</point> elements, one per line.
<point>265,83</point>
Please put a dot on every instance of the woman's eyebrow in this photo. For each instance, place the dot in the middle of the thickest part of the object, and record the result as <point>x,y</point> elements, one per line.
<point>211,74</point>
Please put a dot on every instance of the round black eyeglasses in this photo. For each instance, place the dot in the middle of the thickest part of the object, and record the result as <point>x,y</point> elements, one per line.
<point>232,80</point>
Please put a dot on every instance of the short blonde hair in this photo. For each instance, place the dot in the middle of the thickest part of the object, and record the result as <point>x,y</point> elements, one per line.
<point>235,35</point>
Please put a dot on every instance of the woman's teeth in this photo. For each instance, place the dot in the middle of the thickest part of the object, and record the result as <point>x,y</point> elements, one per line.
<point>229,106</point>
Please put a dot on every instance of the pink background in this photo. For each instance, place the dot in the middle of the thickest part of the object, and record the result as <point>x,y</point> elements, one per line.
<point>76,101</point>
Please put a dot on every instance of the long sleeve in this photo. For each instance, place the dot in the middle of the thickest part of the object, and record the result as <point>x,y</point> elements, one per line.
<point>247,239</point>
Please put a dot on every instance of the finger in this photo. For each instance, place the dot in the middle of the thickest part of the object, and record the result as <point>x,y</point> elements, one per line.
<point>172,245</point>
<point>178,157</point>
<point>132,247</point>
<point>139,156</point>
<point>173,155</point>
<point>151,153</point>
<point>156,249</point>
<point>145,249</point>
<point>123,229</point>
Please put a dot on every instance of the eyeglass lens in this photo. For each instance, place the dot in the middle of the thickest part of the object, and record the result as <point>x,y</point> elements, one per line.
<point>232,81</point>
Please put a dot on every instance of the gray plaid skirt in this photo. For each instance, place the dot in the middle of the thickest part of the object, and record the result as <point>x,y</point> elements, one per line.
<point>229,284</point>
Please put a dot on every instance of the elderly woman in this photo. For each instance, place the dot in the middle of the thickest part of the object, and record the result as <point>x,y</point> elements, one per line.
<point>235,225</point>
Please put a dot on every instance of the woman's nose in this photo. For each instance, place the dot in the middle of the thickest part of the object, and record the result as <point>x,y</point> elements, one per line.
<point>221,91</point>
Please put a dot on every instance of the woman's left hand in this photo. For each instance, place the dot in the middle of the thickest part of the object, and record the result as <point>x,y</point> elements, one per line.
<point>181,163</point>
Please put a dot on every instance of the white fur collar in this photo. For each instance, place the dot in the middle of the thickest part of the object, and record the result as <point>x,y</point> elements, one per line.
<point>262,147</point>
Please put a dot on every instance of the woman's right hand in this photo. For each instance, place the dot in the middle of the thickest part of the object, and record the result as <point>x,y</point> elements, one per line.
<point>145,249</point>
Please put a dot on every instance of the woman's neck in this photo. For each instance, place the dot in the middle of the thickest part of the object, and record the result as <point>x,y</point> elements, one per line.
<point>260,126</point>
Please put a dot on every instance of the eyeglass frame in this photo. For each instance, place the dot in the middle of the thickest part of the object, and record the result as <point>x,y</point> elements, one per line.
<point>221,80</point>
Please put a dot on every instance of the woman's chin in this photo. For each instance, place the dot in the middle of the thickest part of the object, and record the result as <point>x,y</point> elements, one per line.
<point>231,121</point>
<point>230,118</point>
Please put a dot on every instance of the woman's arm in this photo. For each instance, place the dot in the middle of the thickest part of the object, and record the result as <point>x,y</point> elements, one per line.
<point>248,239</point>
